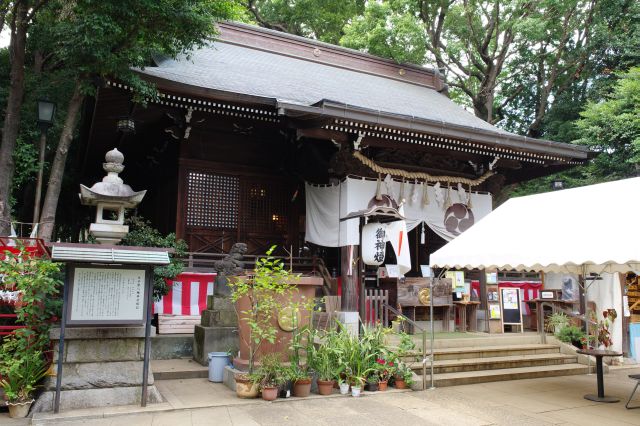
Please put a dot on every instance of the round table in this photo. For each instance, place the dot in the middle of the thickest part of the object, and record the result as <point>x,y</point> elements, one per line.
<point>599,354</point>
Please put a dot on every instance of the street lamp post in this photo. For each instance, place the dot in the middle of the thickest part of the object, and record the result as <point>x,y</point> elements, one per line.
<point>46,110</point>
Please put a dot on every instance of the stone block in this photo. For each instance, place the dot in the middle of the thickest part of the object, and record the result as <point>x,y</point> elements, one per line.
<point>171,346</point>
<point>84,333</point>
<point>213,339</point>
<point>91,398</point>
<point>219,319</point>
<point>94,375</point>
<point>101,350</point>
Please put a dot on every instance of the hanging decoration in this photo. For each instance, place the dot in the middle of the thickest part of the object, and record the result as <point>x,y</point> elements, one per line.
<point>388,180</point>
<point>422,235</point>
<point>425,194</point>
<point>469,206</point>
<point>438,193</point>
<point>447,202</point>
<point>379,188</point>
<point>401,197</point>
<point>414,192</point>
<point>419,175</point>
<point>373,243</point>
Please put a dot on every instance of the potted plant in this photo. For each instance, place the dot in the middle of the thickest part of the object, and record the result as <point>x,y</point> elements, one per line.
<point>403,376</point>
<point>556,322</point>
<point>323,361</point>
<point>572,334</point>
<point>271,376</point>
<point>301,381</point>
<point>263,293</point>
<point>372,383</point>
<point>20,378</point>
<point>385,370</point>
<point>344,386</point>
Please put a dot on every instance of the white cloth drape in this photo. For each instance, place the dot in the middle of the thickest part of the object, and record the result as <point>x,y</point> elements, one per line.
<point>327,204</point>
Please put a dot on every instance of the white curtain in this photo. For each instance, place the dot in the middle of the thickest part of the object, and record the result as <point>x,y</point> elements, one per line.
<point>327,204</point>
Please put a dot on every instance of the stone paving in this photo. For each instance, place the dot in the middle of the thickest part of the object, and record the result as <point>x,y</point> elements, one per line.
<point>546,401</point>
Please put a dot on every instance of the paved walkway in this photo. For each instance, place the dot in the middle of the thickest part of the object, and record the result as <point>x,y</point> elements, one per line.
<point>547,401</point>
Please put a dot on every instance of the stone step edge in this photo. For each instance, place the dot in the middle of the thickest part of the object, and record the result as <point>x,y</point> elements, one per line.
<point>500,348</point>
<point>506,373</point>
<point>498,359</point>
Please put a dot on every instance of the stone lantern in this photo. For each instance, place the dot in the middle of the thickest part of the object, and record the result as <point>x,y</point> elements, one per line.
<point>111,197</point>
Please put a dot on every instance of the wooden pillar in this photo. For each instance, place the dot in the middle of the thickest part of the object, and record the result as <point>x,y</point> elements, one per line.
<point>483,289</point>
<point>350,278</point>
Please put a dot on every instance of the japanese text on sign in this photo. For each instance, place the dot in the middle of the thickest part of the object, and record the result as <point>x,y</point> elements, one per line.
<point>101,294</point>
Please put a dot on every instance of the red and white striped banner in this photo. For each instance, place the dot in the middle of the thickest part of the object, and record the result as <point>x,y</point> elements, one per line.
<point>187,295</point>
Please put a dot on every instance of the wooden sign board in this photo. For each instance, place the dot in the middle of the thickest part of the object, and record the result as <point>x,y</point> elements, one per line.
<point>107,295</point>
<point>511,306</point>
<point>410,291</point>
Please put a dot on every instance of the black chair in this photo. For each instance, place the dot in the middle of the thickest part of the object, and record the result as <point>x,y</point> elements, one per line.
<point>635,377</point>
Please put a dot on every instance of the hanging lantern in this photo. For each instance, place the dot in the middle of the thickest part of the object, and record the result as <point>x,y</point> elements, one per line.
<point>373,243</point>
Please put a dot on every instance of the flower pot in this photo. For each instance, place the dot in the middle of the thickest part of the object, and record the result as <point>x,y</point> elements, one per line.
<point>371,386</point>
<point>302,387</point>
<point>269,393</point>
<point>344,388</point>
<point>245,388</point>
<point>355,391</point>
<point>382,385</point>
<point>286,389</point>
<point>18,410</point>
<point>400,383</point>
<point>325,387</point>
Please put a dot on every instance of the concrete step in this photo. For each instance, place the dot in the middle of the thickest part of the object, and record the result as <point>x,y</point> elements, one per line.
<point>486,351</point>
<point>496,363</point>
<point>484,376</point>
<point>472,339</point>
<point>181,368</point>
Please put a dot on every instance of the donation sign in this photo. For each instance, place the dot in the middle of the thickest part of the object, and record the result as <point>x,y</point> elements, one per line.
<point>107,295</point>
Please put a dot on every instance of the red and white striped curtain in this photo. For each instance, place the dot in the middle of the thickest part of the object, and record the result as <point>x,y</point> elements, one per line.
<point>187,295</point>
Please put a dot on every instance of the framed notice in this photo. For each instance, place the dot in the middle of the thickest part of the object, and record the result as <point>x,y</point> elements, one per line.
<point>547,295</point>
<point>494,311</point>
<point>107,295</point>
<point>510,305</point>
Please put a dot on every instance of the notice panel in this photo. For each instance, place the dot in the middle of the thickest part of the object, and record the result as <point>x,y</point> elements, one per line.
<point>107,296</point>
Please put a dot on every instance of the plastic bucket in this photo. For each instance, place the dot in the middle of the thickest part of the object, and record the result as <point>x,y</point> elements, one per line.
<point>217,362</point>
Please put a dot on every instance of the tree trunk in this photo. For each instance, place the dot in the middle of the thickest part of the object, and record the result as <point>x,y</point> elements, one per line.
<point>48,216</point>
<point>12,117</point>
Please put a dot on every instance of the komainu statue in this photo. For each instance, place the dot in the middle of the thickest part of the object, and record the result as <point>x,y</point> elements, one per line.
<point>232,264</point>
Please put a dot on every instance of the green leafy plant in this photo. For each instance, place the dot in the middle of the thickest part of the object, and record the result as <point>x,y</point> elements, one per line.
<point>142,234</point>
<point>20,376</point>
<point>325,359</point>
<point>405,373</point>
<point>271,371</point>
<point>557,321</point>
<point>571,334</point>
<point>266,292</point>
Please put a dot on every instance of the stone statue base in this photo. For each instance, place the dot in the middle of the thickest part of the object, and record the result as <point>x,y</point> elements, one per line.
<point>218,329</point>
<point>101,367</point>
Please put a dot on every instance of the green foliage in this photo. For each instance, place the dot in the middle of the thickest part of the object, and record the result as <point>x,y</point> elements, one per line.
<point>22,364</point>
<point>39,280</point>
<point>612,128</point>
<point>571,334</point>
<point>21,375</point>
<point>142,234</point>
<point>267,292</point>
<point>320,19</point>
<point>558,320</point>
<point>272,372</point>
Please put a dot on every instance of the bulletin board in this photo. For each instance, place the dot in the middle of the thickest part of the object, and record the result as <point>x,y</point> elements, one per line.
<point>511,306</point>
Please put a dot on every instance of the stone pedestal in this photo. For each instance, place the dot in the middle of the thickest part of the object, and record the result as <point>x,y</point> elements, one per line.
<point>101,367</point>
<point>218,329</point>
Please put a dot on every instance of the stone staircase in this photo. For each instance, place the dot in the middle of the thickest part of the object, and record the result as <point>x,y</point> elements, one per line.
<point>490,359</point>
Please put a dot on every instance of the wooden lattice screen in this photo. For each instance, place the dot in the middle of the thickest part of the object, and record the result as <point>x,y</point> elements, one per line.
<point>219,209</point>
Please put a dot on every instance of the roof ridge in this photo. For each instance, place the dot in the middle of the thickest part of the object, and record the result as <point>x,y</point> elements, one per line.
<point>286,44</point>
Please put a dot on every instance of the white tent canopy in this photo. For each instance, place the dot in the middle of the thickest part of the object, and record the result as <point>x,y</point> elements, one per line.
<point>582,230</point>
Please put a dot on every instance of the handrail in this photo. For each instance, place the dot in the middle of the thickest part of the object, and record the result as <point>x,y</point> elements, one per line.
<point>541,329</point>
<point>424,344</point>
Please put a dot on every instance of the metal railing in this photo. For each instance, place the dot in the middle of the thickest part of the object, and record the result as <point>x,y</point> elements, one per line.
<point>424,345</point>
<point>541,328</point>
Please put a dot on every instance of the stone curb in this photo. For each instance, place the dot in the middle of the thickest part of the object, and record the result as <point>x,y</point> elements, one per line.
<point>48,418</point>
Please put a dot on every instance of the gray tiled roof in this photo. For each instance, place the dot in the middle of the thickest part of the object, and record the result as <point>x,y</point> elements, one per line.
<point>245,70</point>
